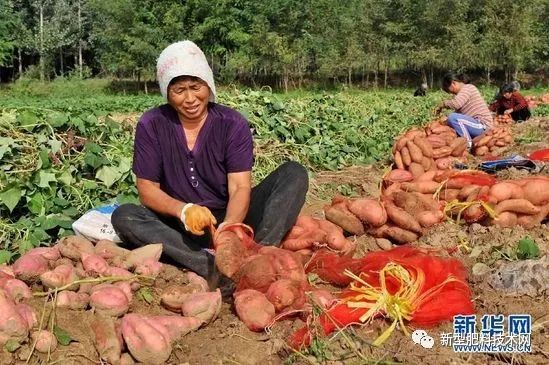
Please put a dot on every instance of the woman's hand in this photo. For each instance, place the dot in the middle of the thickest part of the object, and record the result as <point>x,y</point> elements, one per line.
<point>196,218</point>
<point>508,111</point>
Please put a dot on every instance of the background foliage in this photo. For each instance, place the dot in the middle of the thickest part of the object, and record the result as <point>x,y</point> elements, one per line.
<point>283,43</point>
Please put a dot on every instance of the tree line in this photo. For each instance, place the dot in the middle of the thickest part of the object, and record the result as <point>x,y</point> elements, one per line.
<point>284,43</point>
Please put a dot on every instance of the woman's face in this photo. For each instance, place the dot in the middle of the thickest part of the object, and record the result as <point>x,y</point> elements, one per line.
<point>454,87</point>
<point>507,95</point>
<point>189,97</point>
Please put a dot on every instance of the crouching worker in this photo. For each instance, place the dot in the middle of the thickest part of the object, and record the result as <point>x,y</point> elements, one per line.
<point>472,116</point>
<point>511,102</point>
<point>193,160</point>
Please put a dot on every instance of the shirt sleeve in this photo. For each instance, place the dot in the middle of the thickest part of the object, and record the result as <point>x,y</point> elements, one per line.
<point>495,106</point>
<point>520,102</point>
<point>239,155</point>
<point>459,100</point>
<point>147,162</point>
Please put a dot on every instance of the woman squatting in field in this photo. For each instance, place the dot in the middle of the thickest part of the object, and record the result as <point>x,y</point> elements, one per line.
<point>511,102</point>
<point>193,160</point>
<point>472,116</point>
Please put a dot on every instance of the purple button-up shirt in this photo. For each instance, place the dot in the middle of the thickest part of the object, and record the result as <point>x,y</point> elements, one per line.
<point>224,145</point>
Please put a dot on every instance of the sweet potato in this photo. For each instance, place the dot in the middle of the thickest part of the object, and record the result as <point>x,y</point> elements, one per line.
<point>254,309</point>
<point>406,157</point>
<point>530,221</point>
<point>416,169</point>
<point>321,298</point>
<point>71,300</point>
<point>436,142</point>
<point>26,312</point>
<point>441,152</point>
<point>340,215</point>
<point>109,299</point>
<point>60,276</point>
<point>429,218</point>
<point>506,220</point>
<point>93,264</point>
<point>287,264</point>
<point>29,267</point>
<point>105,338</point>
<point>516,206</point>
<point>401,143</point>
<point>474,213</point>
<point>505,190</point>
<point>45,341</point>
<point>483,141</point>
<point>297,244</point>
<point>481,151</point>
<point>424,187</point>
<point>147,340</point>
<point>460,149</point>
<point>400,235</point>
<point>149,267</point>
<point>73,246</point>
<point>49,253</point>
<point>426,163</point>
<point>369,211</point>
<point>415,151</point>
<point>467,190</point>
<point>427,176</point>
<point>178,326</point>
<point>17,290</point>
<point>449,194</point>
<point>204,306</point>
<point>306,222</point>
<point>247,277</point>
<point>424,146</point>
<point>12,324</point>
<point>198,280</point>
<point>391,189</point>
<point>284,294</point>
<point>334,234</point>
<point>398,160</point>
<point>402,218</point>
<point>139,255</point>
<point>230,253</point>
<point>174,295</point>
<point>399,175</point>
<point>108,250</point>
<point>441,129</point>
<point>536,191</point>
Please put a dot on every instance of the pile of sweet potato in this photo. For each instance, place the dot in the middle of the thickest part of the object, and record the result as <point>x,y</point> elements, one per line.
<point>400,216</point>
<point>503,120</point>
<point>103,277</point>
<point>493,141</point>
<point>270,281</point>
<point>534,102</point>
<point>523,202</point>
<point>310,234</point>
<point>435,147</point>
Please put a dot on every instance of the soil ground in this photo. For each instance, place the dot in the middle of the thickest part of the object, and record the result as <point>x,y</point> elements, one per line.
<point>228,341</point>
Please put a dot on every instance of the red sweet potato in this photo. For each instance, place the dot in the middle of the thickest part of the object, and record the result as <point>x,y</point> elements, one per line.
<point>506,220</point>
<point>46,342</point>
<point>424,146</point>
<point>516,206</point>
<point>505,190</point>
<point>254,309</point>
<point>26,312</point>
<point>230,253</point>
<point>72,300</point>
<point>287,264</point>
<point>416,169</point>
<point>321,298</point>
<point>29,267</point>
<point>174,295</point>
<point>340,215</point>
<point>139,255</point>
<point>536,191</point>
<point>400,235</point>
<point>49,253</point>
<point>430,218</point>
<point>204,306</point>
<point>105,338</point>
<point>17,290</point>
<point>109,299</point>
<point>12,324</point>
<point>108,250</point>
<point>284,294</point>
<point>147,340</point>
<point>399,175</point>
<point>424,187</point>
<point>149,267</point>
<point>178,326</point>
<point>369,211</point>
<point>93,264</point>
<point>334,234</point>
<point>73,246</point>
<point>402,218</point>
<point>60,276</point>
<point>198,280</point>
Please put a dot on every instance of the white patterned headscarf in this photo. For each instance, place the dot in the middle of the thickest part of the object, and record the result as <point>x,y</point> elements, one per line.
<point>183,59</point>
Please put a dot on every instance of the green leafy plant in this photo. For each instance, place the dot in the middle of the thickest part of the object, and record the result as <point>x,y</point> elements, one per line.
<point>527,249</point>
